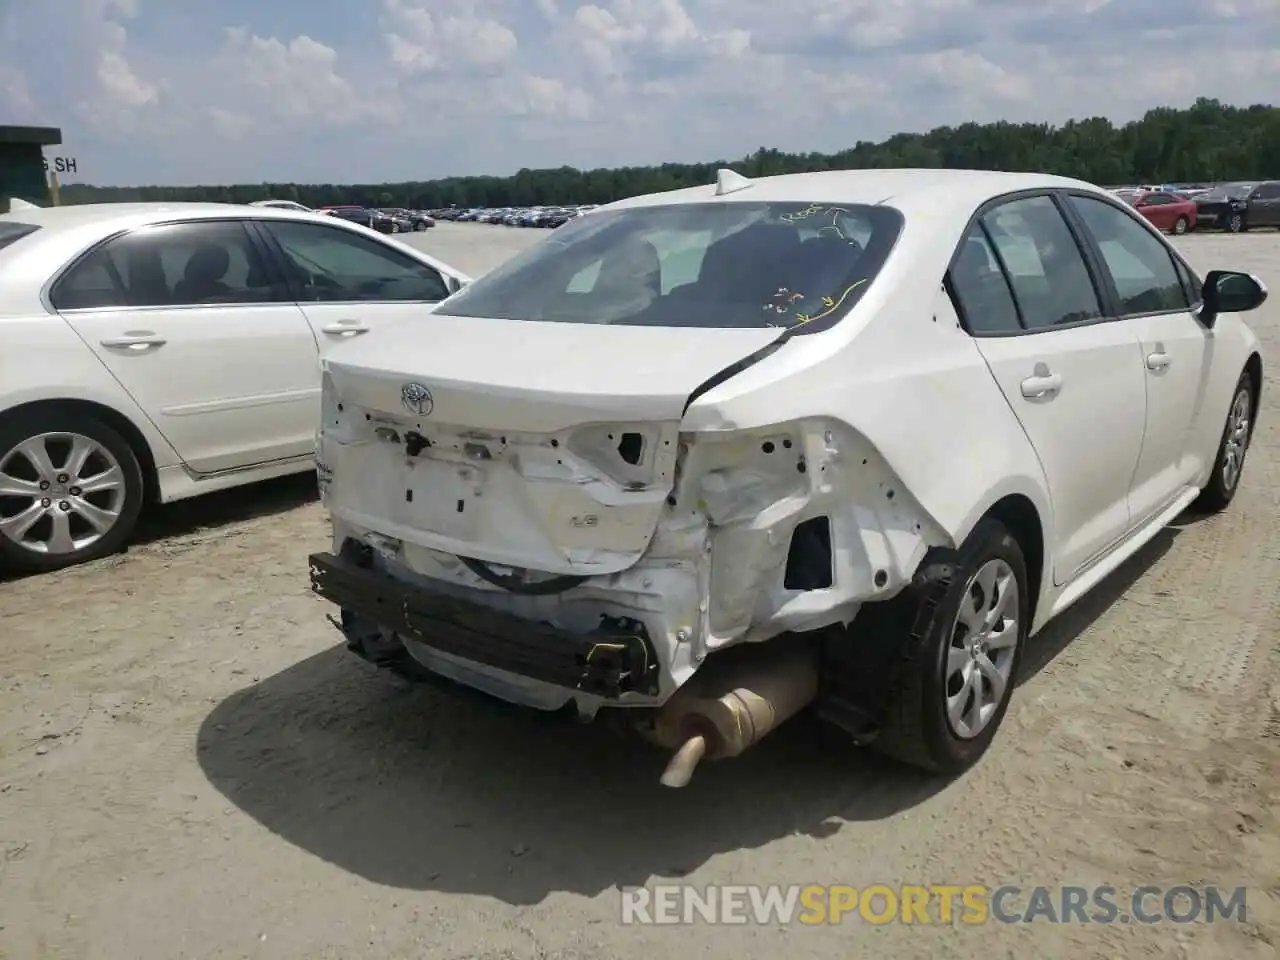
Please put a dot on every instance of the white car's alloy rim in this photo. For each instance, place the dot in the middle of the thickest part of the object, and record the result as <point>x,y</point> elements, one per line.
<point>979,664</point>
<point>59,493</point>
<point>1237,442</point>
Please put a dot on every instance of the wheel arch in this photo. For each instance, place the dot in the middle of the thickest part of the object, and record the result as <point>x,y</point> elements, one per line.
<point>114,419</point>
<point>1018,514</point>
<point>1253,367</point>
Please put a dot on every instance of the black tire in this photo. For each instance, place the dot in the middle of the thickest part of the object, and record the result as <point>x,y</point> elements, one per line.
<point>1181,226</point>
<point>1236,223</point>
<point>1221,488</point>
<point>916,729</point>
<point>420,225</point>
<point>15,430</point>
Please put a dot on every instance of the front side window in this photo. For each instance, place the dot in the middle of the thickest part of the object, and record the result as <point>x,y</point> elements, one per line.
<point>1046,269</point>
<point>1139,263</point>
<point>737,264</point>
<point>198,263</point>
<point>331,264</point>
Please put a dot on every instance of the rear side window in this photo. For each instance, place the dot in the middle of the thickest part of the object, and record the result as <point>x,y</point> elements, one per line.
<point>980,289</point>
<point>203,263</point>
<point>11,231</point>
<point>1051,283</point>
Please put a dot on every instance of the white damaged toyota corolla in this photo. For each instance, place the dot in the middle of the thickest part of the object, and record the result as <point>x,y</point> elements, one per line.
<point>833,441</point>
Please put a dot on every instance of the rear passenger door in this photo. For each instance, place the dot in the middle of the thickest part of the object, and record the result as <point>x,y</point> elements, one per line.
<point>1150,289</point>
<point>1072,376</point>
<point>348,283</point>
<point>190,322</point>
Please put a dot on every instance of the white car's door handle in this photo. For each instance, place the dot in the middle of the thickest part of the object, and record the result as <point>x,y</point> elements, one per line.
<point>345,328</point>
<point>1039,387</point>
<point>137,341</point>
<point>1158,361</point>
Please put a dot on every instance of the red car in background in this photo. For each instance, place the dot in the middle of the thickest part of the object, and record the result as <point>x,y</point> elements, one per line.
<point>1168,211</point>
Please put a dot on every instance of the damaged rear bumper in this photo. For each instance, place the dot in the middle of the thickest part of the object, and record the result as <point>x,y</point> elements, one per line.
<point>614,660</point>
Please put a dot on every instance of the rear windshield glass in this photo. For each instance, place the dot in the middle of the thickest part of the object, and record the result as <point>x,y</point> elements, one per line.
<point>11,231</point>
<point>717,264</point>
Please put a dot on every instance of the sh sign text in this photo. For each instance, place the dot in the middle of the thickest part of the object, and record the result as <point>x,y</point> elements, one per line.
<point>60,165</point>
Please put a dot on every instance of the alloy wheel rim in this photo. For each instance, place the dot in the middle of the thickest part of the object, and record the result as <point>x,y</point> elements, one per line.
<point>1237,439</point>
<point>60,493</point>
<point>979,658</point>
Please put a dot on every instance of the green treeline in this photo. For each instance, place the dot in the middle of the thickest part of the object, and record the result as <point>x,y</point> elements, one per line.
<point>1208,141</point>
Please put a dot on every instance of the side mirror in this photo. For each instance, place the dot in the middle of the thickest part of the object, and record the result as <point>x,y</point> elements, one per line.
<point>1230,291</point>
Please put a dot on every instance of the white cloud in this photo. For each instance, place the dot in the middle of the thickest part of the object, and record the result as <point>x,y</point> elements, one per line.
<point>163,91</point>
<point>294,82</point>
<point>420,40</point>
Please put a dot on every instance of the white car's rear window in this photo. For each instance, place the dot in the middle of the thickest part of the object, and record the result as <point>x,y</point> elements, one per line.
<point>12,231</point>
<point>717,264</point>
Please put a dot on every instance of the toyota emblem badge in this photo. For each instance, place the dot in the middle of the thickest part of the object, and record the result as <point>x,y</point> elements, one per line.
<point>416,399</point>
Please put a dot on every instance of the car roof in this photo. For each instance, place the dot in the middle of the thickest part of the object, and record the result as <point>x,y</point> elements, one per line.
<point>934,189</point>
<point>110,217</point>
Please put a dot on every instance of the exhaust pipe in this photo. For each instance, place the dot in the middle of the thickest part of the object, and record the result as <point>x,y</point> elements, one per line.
<point>737,698</point>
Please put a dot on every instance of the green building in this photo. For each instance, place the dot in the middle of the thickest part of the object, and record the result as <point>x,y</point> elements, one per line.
<point>22,167</point>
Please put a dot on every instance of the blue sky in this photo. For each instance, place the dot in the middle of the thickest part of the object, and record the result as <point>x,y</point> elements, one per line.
<point>187,91</point>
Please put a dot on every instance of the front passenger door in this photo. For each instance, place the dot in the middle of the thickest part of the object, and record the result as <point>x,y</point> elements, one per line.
<point>348,283</point>
<point>1153,301</point>
<point>1072,377</point>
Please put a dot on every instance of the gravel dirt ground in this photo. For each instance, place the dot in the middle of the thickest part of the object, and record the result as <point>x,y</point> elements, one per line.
<point>191,766</point>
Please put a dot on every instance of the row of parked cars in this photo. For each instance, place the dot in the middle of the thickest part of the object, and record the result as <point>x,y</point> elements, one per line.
<point>384,219</point>
<point>1181,208</point>
<point>538,216</point>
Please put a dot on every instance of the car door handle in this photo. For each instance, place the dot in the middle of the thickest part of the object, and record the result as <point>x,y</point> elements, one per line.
<point>139,341</point>
<point>1041,386</point>
<point>346,328</point>
<point>1158,361</point>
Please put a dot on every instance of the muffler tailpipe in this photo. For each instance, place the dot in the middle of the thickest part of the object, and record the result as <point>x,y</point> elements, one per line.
<point>738,697</point>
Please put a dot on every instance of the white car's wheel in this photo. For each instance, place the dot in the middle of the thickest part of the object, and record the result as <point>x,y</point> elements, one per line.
<point>70,491</point>
<point>960,665</point>
<point>1232,448</point>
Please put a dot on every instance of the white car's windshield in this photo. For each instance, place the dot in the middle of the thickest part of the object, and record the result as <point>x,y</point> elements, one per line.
<point>718,264</point>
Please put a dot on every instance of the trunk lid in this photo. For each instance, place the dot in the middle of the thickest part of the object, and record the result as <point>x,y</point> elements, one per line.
<point>541,446</point>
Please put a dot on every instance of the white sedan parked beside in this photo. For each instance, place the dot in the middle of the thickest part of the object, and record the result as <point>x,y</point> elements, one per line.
<point>843,439</point>
<point>156,352</point>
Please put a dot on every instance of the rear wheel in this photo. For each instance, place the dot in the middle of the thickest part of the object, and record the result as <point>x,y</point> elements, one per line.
<point>961,662</point>
<point>1229,463</point>
<point>70,491</point>
<point>1181,225</point>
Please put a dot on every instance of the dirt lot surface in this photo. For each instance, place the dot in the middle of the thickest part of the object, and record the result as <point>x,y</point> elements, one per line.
<point>191,766</point>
